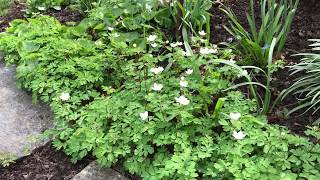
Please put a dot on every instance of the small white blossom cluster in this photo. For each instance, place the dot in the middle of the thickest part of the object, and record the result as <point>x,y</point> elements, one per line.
<point>238,135</point>
<point>182,100</point>
<point>207,51</point>
<point>173,45</point>
<point>151,39</point>
<point>243,73</point>
<point>157,70</point>
<point>202,33</point>
<point>64,96</point>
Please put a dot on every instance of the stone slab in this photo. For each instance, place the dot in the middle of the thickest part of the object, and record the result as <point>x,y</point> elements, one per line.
<point>94,172</point>
<point>20,120</point>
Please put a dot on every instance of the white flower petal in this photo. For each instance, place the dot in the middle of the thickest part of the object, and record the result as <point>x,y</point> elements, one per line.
<point>157,87</point>
<point>243,73</point>
<point>238,135</point>
<point>144,115</point>
<point>234,116</point>
<point>157,70</point>
<point>182,100</point>
<point>64,96</point>
<point>206,51</point>
<point>154,45</point>
<point>183,83</point>
<point>189,71</point>
<point>202,33</point>
<point>152,38</point>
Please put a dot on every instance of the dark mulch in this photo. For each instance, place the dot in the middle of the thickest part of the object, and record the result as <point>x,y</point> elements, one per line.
<point>16,11</point>
<point>306,25</point>
<point>44,163</point>
<point>66,15</point>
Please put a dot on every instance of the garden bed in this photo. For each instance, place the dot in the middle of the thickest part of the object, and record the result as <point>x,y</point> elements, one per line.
<point>306,25</point>
<point>46,163</point>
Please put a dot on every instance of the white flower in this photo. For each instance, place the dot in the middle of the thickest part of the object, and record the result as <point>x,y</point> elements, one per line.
<point>176,44</point>
<point>144,115</point>
<point>179,43</point>
<point>173,45</point>
<point>183,83</point>
<point>148,7</point>
<point>41,8</point>
<point>206,51</point>
<point>64,96</point>
<point>184,53</point>
<point>167,41</point>
<point>164,1</point>
<point>202,33</point>
<point>157,87</point>
<point>232,61</point>
<point>152,38</point>
<point>157,70</point>
<point>58,8</point>
<point>116,35</point>
<point>238,135</point>
<point>154,45</point>
<point>243,73</point>
<point>110,28</point>
<point>134,45</point>
<point>234,116</point>
<point>182,100</point>
<point>189,71</point>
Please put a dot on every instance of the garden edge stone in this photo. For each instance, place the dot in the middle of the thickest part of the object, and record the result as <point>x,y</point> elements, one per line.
<point>95,172</point>
<point>21,121</point>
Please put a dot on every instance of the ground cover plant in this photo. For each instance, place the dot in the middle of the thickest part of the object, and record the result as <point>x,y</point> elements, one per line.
<point>122,89</point>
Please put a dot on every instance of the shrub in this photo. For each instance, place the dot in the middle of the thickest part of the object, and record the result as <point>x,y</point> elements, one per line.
<point>307,85</point>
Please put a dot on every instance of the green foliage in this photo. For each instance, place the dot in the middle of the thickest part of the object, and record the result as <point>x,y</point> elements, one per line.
<point>6,159</point>
<point>276,19</point>
<point>42,5</point>
<point>4,4</point>
<point>86,5</point>
<point>129,15</point>
<point>164,113</point>
<point>307,85</point>
<point>195,17</point>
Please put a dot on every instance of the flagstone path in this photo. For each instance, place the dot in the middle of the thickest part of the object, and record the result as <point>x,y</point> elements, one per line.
<point>20,120</point>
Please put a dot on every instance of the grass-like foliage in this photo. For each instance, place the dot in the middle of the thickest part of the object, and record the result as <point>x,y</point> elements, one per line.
<point>276,19</point>
<point>307,85</point>
<point>163,113</point>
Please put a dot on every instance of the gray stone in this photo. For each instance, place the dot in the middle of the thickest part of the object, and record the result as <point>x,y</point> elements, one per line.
<point>94,172</point>
<point>20,120</point>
